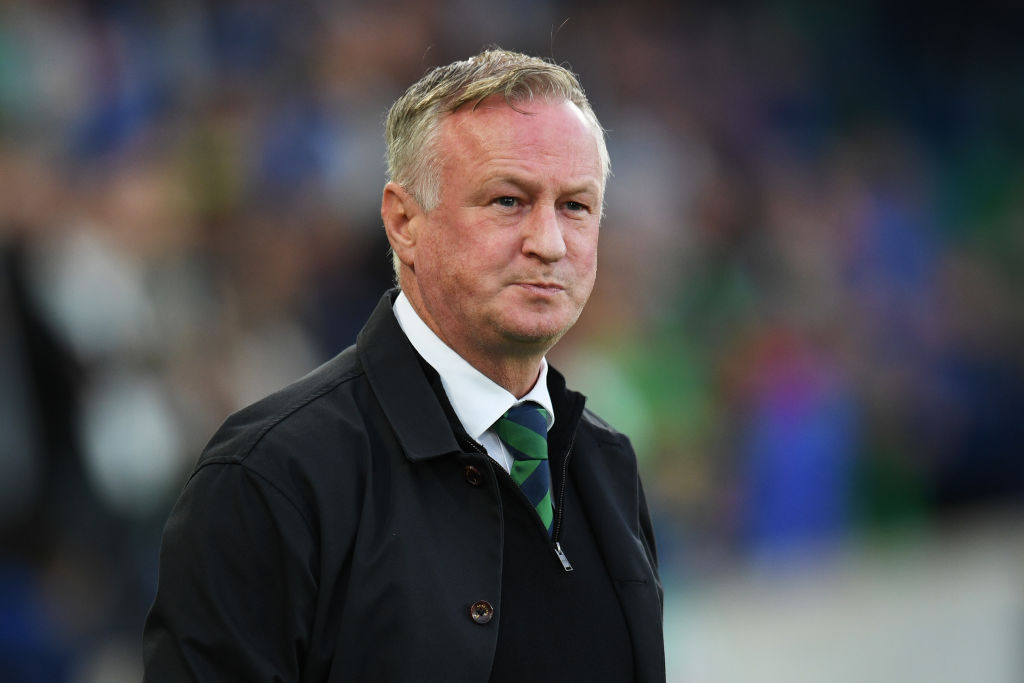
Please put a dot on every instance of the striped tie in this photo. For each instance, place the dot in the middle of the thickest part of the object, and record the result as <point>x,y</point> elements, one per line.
<point>524,431</point>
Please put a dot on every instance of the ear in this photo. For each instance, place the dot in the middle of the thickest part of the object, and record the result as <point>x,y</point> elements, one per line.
<point>401,215</point>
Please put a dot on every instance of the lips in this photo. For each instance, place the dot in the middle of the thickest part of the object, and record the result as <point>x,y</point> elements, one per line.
<point>542,286</point>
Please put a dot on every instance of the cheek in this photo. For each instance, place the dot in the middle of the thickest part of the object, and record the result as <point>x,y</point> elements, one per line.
<point>482,249</point>
<point>466,260</point>
<point>439,245</point>
<point>583,248</point>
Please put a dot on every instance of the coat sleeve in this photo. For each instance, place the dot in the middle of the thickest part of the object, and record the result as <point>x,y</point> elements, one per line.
<point>237,583</point>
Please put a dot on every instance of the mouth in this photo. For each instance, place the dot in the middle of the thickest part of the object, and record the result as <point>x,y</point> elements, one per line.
<point>541,287</point>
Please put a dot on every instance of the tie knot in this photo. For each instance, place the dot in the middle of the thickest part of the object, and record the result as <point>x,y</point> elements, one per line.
<point>524,429</point>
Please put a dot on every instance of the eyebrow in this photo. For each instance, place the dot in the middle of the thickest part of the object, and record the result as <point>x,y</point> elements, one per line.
<point>584,187</point>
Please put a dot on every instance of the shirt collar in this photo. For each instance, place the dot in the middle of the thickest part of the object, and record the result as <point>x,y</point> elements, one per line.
<point>477,400</point>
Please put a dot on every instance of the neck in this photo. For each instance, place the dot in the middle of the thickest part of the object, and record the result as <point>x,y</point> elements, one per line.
<point>514,367</point>
<point>517,375</point>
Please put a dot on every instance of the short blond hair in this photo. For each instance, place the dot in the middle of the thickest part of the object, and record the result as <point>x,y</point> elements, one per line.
<point>414,119</point>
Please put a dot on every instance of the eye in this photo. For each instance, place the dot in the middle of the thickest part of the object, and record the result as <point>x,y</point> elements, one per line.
<point>507,202</point>
<point>575,206</point>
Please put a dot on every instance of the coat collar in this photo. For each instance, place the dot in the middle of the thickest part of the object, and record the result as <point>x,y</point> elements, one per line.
<point>411,403</point>
<point>398,381</point>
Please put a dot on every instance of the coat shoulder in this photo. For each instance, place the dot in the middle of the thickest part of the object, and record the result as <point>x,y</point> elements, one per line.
<point>602,430</point>
<point>295,414</point>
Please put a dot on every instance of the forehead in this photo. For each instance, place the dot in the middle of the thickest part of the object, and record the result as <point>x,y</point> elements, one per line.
<point>539,135</point>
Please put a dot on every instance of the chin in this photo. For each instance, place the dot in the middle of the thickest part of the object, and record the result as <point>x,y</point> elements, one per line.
<point>542,334</point>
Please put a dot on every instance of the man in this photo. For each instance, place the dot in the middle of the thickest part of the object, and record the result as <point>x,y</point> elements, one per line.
<point>434,504</point>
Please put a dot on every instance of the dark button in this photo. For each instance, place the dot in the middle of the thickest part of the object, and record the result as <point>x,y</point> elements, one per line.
<point>481,611</point>
<point>473,475</point>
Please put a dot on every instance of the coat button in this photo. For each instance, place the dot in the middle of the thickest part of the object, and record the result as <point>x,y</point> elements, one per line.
<point>473,475</point>
<point>481,611</point>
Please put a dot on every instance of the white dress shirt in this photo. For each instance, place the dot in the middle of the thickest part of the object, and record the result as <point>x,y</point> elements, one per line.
<point>478,401</point>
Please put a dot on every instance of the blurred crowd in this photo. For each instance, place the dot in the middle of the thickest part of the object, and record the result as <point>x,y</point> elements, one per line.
<point>807,313</point>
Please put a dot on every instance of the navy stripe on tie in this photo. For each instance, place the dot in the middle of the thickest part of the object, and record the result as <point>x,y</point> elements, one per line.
<point>537,484</point>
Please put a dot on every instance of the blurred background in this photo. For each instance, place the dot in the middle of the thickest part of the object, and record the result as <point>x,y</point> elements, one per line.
<point>807,316</point>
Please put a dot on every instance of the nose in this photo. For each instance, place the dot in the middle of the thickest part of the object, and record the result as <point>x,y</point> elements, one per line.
<point>543,236</point>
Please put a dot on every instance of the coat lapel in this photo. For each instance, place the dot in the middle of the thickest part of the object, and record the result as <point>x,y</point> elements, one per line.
<point>400,386</point>
<point>607,486</point>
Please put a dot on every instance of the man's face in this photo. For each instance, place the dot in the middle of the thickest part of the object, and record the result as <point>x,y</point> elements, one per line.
<point>506,261</point>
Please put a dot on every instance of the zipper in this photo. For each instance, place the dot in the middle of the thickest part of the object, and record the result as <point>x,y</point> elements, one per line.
<point>562,558</point>
<point>556,528</point>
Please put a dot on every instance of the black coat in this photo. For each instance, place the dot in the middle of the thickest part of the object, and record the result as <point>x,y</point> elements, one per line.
<point>331,532</point>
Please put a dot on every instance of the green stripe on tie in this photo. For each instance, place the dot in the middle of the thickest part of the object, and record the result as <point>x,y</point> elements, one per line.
<point>524,429</point>
<point>523,439</point>
<point>546,511</point>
